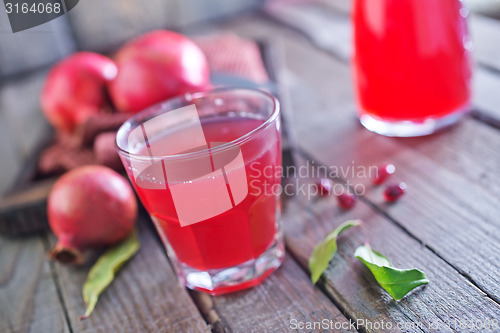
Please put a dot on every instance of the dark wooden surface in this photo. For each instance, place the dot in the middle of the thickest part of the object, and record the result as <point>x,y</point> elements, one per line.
<point>447,224</point>
<point>29,299</point>
<point>145,296</point>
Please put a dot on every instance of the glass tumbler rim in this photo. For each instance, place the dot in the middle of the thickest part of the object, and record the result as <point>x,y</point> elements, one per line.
<point>184,99</point>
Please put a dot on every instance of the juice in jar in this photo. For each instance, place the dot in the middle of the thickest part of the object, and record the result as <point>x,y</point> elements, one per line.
<point>411,64</point>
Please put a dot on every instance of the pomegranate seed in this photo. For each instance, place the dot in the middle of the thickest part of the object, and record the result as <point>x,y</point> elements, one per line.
<point>325,186</point>
<point>384,172</point>
<point>346,201</point>
<point>394,192</point>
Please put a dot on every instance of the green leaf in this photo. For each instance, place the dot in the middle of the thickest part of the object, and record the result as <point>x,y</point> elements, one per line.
<point>103,272</point>
<point>397,282</point>
<point>324,251</point>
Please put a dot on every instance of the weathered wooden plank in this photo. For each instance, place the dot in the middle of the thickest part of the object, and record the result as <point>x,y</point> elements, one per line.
<point>448,296</point>
<point>145,296</point>
<point>325,123</point>
<point>461,148</point>
<point>25,211</point>
<point>486,85</point>
<point>342,6</point>
<point>485,7</point>
<point>281,303</point>
<point>29,300</point>
<point>327,28</point>
<point>456,206</point>
<point>105,25</point>
<point>486,38</point>
<point>10,163</point>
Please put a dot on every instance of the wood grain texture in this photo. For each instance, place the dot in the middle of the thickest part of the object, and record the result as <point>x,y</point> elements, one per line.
<point>283,300</point>
<point>25,211</point>
<point>28,297</point>
<point>460,149</point>
<point>448,295</point>
<point>446,225</point>
<point>486,37</point>
<point>448,202</point>
<point>342,6</point>
<point>441,212</point>
<point>485,85</point>
<point>144,297</point>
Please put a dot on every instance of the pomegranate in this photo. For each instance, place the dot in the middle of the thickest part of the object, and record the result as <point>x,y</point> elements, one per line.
<point>383,173</point>
<point>325,186</point>
<point>88,207</point>
<point>393,192</point>
<point>156,66</point>
<point>75,89</point>
<point>346,200</point>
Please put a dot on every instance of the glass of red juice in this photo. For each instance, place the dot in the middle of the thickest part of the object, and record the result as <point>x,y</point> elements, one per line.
<point>206,167</point>
<point>412,67</point>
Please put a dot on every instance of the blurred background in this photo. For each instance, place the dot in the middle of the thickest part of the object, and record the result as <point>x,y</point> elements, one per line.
<point>93,25</point>
<point>99,26</point>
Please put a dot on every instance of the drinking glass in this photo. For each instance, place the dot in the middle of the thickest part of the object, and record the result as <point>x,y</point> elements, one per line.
<point>207,168</point>
<point>412,67</point>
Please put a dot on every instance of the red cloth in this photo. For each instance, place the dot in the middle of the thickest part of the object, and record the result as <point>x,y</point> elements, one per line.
<point>231,54</point>
<point>93,141</point>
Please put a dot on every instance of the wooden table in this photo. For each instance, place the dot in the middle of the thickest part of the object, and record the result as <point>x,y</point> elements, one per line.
<point>447,225</point>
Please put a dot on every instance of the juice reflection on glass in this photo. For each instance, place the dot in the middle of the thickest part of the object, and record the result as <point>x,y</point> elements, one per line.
<point>411,64</point>
<point>205,166</point>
